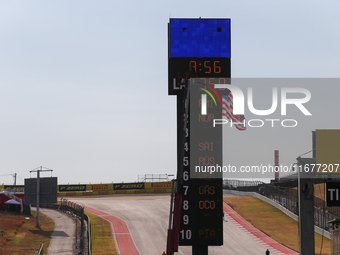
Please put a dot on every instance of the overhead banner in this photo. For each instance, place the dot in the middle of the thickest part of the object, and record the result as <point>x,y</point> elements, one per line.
<point>63,188</point>
<point>127,186</point>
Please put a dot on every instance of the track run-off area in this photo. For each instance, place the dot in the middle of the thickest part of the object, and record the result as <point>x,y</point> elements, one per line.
<point>140,224</point>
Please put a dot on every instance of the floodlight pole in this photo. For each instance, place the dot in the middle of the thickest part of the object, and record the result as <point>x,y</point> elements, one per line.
<point>75,217</point>
<point>38,189</point>
<point>37,224</point>
<point>306,206</point>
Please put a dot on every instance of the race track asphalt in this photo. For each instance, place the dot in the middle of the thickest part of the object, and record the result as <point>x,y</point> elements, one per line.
<point>147,219</point>
<point>62,238</point>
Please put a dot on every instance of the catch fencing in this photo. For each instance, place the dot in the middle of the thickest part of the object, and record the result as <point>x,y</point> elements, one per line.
<point>231,184</point>
<point>335,242</point>
<point>322,213</point>
<point>281,197</point>
<point>288,198</point>
<point>82,236</point>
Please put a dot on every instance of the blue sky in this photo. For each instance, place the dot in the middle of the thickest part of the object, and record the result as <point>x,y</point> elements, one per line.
<point>83,84</point>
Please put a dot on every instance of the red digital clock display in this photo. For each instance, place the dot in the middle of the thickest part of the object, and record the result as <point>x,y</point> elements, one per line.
<point>186,68</point>
<point>207,66</point>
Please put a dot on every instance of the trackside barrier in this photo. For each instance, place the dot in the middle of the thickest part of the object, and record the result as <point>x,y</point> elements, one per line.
<point>279,206</point>
<point>288,198</point>
<point>87,218</point>
<point>318,203</point>
<point>229,183</point>
<point>99,187</point>
<point>112,192</point>
<point>77,211</point>
<point>110,188</point>
<point>114,188</point>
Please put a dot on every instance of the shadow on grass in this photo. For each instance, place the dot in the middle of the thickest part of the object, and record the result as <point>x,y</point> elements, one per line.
<point>49,233</point>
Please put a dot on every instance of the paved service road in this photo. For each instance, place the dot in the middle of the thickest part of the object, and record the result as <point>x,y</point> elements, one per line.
<point>147,217</point>
<point>62,238</point>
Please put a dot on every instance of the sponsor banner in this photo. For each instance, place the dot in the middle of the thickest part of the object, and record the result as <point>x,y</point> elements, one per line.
<point>84,193</point>
<point>131,191</point>
<point>81,187</point>
<point>159,190</point>
<point>122,191</point>
<point>127,186</point>
<point>139,191</point>
<point>95,193</point>
<point>71,193</point>
<point>158,185</point>
<point>15,188</point>
<point>99,187</point>
<point>105,192</point>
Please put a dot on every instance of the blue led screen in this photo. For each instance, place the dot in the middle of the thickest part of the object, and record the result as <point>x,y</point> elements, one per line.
<point>200,38</point>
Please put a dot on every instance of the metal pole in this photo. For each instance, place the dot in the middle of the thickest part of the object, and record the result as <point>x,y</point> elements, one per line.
<point>199,250</point>
<point>82,229</point>
<point>38,188</point>
<point>306,208</point>
<point>75,216</point>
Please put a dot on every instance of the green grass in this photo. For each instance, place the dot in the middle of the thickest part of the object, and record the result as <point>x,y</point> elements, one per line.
<point>274,223</point>
<point>102,241</point>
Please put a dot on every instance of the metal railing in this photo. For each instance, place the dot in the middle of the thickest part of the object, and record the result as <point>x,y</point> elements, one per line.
<point>281,197</point>
<point>288,198</point>
<point>322,213</point>
<point>239,183</point>
<point>76,211</point>
<point>335,242</point>
<point>87,219</point>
